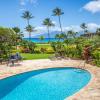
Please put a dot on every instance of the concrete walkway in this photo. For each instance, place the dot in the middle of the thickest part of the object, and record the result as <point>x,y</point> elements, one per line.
<point>89,92</point>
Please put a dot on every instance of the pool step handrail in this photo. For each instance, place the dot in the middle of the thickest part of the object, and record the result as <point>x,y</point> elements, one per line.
<point>83,66</point>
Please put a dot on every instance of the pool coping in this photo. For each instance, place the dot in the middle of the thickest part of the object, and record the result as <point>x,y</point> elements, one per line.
<point>73,97</point>
<point>90,92</point>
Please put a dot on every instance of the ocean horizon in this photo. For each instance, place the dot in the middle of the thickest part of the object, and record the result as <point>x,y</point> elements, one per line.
<point>45,40</point>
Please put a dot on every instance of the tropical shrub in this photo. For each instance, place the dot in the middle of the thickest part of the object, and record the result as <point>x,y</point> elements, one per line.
<point>49,51</point>
<point>43,50</point>
<point>7,41</point>
<point>59,48</point>
<point>96,57</point>
<point>28,46</point>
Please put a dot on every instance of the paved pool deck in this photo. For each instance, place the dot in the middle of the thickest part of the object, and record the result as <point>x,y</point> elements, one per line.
<point>89,92</point>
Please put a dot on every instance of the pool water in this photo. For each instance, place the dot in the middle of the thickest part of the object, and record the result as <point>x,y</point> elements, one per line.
<point>45,84</point>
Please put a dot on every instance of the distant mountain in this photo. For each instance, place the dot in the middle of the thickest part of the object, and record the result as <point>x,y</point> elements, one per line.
<point>52,34</point>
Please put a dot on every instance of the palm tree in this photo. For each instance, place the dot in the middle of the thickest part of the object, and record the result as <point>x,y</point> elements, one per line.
<point>58,12</point>
<point>57,36</point>
<point>60,36</point>
<point>41,38</point>
<point>98,31</point>
<point>29,29</point>
<point>27,15</point>
<point>84,27</point>
<point>48,23</point>
<point>18,35</point>
<point>72,34</point>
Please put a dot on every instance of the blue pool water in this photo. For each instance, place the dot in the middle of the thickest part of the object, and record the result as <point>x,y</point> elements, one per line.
<point>45,84</point>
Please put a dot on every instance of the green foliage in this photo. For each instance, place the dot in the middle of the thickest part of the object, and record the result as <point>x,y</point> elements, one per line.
<point>7,41</point>
<point>28,47</point>
<point>41,38</point>
<point>27,15</point>
<point>59,48</point>
<point>57,12</point>
<point>96,54</point>
<point>48,23</point>
<point>96,57</point>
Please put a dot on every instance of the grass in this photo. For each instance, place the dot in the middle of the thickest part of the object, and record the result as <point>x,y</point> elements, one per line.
<point>28,56</point>
<point>43,46</point>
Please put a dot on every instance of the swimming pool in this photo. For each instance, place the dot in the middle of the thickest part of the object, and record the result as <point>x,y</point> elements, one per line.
<point>44,84</point>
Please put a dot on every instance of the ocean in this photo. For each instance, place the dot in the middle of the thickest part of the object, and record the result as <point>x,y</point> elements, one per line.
<point>37,40</point>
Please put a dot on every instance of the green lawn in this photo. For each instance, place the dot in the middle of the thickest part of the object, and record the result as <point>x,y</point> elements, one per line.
<point>28,56</point>
<point>43,46</point>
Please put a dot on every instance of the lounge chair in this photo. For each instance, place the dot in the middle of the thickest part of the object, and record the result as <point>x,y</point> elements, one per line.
<point>1,60</point>
<point>14,58</point>
<point>57,56</point>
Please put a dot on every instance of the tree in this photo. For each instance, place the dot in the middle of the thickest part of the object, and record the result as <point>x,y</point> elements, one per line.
<point>72,34</point>
<point>7,41</point>
<point>58,12</point>
<point>60,36</point>
<point>16,29</point>
<point>18,34</point>
<point>98,31</point>
<point>29,29</point>
<point>57,36</point>
<point>27,15</point>
<point>84,27</point>
<point>48,23</point>
<point>41,38</point>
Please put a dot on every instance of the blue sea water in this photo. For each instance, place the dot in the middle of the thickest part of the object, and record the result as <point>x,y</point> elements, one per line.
<point>37,40</point>
<point>45,84</point>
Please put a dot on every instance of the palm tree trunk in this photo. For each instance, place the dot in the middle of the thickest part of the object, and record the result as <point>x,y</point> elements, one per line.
<point>16,41</point>
<point>28,23</point>
<point>60,23</point>
<point>29,36</point>
<point>29,32</point>
<point>48,34</point>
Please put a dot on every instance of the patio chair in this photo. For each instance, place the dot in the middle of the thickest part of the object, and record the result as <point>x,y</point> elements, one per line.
<point>14,58</point>
<point>19,57</point>
<point>1,60</point>
<point>56,56</point>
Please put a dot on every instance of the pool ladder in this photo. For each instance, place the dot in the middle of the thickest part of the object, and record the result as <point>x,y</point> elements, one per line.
<point>82,64</point>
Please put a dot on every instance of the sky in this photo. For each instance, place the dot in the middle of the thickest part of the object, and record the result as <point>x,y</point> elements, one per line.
<point>75,13</point>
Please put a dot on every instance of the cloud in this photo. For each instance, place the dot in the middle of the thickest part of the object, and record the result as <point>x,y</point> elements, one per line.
<point>42,29</point>
<point>75,28</point>
<point>22,9</point>
<point>54,22</point>
<point>22,2</point>
<point>93,26</point>
<point>33,1</point>
<point>93,6</point>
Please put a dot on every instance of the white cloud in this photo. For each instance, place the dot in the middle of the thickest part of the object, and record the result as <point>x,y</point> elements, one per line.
<point>54,22</point>
<point>75,28</point>
<point>93,26</point>
<point>22,2</point>
<point>42,29</point>
<point>93,6</point>
<point>22,9</point>
<point>33,1</point>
